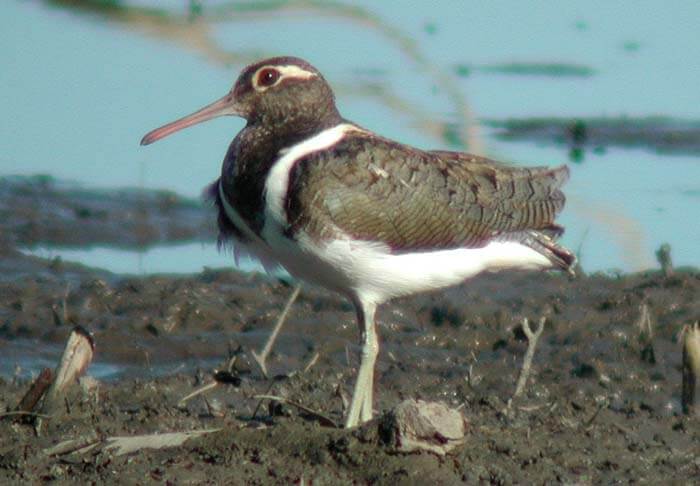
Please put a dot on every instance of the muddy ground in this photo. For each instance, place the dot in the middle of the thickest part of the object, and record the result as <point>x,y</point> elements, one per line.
<point>602,404</point>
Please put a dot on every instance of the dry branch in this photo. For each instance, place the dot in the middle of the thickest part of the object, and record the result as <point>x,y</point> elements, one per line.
<point>221,377</point>
<point>690,395</point>
<point>127,445</point>
<point>124,444</point>
<point>532,339</point>
<point>36,391</point>
<point>322,418</point>
<point>76,357</point>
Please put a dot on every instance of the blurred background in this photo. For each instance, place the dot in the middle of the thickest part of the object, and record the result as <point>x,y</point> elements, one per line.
<point>610,88</point>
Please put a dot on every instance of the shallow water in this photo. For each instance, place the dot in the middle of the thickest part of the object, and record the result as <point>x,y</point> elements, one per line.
<point>82,89</point>
<point>171,259</point>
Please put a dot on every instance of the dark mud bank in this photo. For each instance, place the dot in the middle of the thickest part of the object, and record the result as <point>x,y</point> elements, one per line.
<point>596,407</point>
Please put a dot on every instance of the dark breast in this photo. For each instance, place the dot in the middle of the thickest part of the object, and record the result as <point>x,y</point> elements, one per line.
<point>243,176</point>
<point>227,230</point>
<point>243,188</point>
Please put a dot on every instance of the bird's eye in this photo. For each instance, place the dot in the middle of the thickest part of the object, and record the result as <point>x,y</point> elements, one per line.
<point>267,77</point>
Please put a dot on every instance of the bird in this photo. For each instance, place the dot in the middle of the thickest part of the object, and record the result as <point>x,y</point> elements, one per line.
<point>372,219</point>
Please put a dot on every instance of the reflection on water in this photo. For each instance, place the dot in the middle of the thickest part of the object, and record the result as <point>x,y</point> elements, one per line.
<point>171,259</point>
<point>24,359</point>
<point>82,89</point>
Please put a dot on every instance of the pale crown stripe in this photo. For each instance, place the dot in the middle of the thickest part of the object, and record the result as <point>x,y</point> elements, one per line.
<point>292,71</point>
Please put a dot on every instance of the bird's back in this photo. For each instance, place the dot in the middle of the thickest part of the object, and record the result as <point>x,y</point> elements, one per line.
<point>374,189</point>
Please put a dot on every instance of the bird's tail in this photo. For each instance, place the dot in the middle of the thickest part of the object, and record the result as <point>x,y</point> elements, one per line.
<point>544,242</point>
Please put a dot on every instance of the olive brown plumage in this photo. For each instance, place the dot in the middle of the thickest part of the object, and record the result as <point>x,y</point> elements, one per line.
<point>415,200</point>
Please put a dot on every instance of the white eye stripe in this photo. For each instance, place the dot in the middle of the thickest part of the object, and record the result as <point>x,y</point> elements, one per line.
<point>293,71</point>
<point>289,71</point>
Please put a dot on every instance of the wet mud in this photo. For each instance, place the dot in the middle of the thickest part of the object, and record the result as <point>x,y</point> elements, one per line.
<point>42,210</point>
<point>602,403</point>
<point>660,134</point>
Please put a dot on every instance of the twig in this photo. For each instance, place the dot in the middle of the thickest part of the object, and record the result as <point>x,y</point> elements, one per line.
<point>645,334</point>
<point>690,396</point>
<point>64,303</point>
<point>127,445</point>
<point>532,338</point>
<point>601,406</point>
<point>343,399</point>
<point>262,357</point>
<point>80,445</point>
<point>645,327</point>
<point>225,377</point>
<point>663,256</point>
<point>532,408</point>
<point>323,419</point>
<point>624,430</point>
<point>311,362</point>
<point>76,358</point>
<point>198,391</point>
<point>36,391</point>
<point>257,407</point>
<point>24,412</point>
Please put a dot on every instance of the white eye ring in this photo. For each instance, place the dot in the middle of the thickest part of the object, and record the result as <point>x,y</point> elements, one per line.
<point>267,77</point>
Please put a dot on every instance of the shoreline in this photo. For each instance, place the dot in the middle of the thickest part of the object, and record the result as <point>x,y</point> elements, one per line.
<point>596,406</point>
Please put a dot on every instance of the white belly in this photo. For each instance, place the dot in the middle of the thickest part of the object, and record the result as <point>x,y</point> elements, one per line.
<point>365,269</point>
<point>370,271</point>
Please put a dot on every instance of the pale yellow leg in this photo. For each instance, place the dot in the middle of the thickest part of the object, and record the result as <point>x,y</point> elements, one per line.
<point>361,404</point>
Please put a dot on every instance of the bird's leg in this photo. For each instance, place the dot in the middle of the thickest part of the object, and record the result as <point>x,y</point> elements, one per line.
<point>370,343</point>
<point>262,357</point>
<point>361,404</point>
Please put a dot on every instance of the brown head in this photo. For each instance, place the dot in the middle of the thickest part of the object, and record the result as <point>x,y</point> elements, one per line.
<point>280,93</point>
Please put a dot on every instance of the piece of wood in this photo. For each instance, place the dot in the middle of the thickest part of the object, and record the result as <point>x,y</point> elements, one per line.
<point>322,418</point>
<point>532,339</point>
<point>79,445</point>
<point>690,394</point>
<point>39,386</point>
<point>76,358</point>
<point>126,445</point>
<point>417,425</point>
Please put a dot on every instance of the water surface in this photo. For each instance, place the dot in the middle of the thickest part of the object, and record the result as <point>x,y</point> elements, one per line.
<point>81,89</point>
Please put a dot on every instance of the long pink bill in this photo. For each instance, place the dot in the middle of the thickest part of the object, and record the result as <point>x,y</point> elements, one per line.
<point>221,107</point>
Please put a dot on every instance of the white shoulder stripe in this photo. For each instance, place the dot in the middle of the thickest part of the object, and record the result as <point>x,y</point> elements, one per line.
<point>277,183</point>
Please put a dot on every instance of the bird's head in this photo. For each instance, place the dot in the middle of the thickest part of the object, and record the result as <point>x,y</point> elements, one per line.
<point>281,93</point>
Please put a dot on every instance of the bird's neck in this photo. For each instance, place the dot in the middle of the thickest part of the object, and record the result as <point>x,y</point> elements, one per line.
<point>251,156</point>
<point>266,138</point>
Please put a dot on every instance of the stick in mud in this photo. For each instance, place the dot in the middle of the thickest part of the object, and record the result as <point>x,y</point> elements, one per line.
<point>690,395</point>
<point>76,357</point>
<point>532,338</point>
<point>262,357</point>
<point>221,377</point>
<point>663,256</point>
<point>30,399</point>
<point>645,334</point>
<point>322,418</point>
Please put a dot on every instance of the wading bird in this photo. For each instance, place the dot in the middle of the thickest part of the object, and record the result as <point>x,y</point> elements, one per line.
<point>370,218</point>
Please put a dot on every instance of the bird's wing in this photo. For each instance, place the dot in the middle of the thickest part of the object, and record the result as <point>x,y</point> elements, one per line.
<point>377,190</point>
